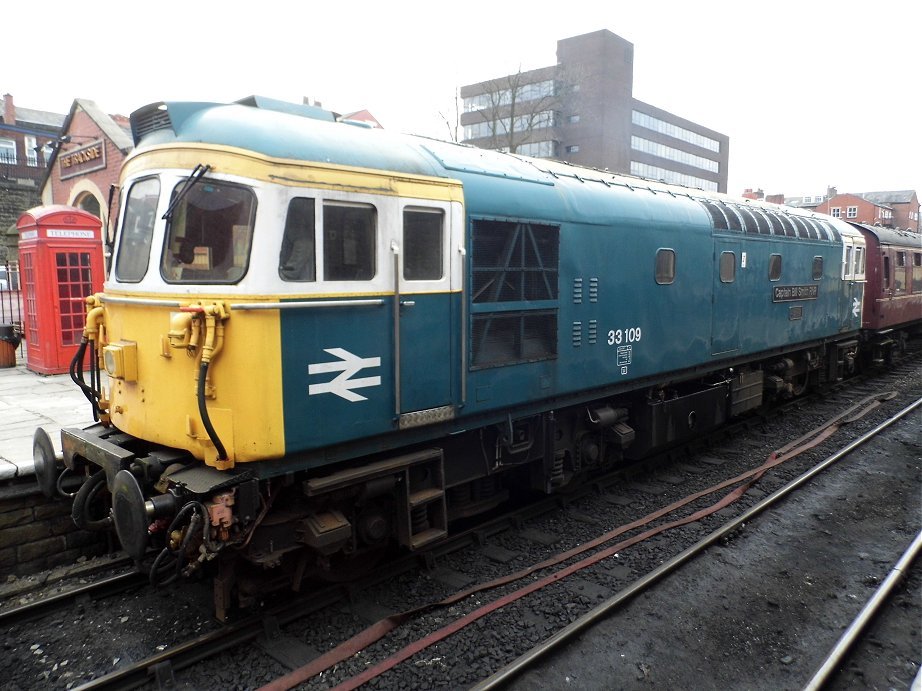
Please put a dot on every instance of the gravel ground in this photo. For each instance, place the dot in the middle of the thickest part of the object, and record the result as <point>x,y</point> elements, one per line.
<point>763,611</point>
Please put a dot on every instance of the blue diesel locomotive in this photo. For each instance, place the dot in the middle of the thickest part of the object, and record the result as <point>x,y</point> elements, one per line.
<point>321,339</point>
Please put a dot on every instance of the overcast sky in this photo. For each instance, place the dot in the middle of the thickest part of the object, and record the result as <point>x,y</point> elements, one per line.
<point>811,93</point>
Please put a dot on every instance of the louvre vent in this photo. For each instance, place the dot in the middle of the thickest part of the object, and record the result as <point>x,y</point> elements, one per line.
<point>593,331</point>
<point>577,334</point>
<point>148,121</point>
<point>593,290</point>
<point>577,291</point>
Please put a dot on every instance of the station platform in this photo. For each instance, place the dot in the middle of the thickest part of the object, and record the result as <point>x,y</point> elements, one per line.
<point>29,400</point>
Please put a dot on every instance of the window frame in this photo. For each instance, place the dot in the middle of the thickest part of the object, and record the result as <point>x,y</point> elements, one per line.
<point>441,254</point>
<point>9,144</point>
<point>720,267</point>
<point>773,264</point>
<point>284,259</point>
<point>662,251</point>
<point>326,245</point>
<point>125,207</point>
<point>167,253</point>
<point>818,275</point>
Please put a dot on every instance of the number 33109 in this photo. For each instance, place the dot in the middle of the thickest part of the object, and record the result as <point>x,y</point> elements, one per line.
<point>619,336</point>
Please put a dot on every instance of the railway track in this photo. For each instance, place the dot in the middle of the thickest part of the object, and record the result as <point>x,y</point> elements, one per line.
<point>584,623</point>
<point>294,631</point>
<point>99,589</point>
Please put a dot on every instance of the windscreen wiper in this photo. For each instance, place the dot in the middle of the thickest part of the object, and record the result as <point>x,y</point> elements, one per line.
<point>197,174</point>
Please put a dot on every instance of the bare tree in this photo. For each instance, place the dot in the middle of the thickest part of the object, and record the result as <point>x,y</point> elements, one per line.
<point>452,118</point>
<point>518,108</point>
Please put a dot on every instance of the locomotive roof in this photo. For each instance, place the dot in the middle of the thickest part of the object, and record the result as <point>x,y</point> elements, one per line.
<point>557,191</point>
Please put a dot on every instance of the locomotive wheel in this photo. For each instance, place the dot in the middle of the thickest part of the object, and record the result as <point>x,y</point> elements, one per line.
<point>92,504</point>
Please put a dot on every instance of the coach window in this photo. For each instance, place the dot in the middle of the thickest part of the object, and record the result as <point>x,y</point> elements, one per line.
<point>899,273</point>
<point>665,266</point>
<point>817,268</point>
<point>348,241</point>
<point>422,244</point>
<point>727,267</point>
<point>886,283</point>
<point>296,259</point>
<point>774,267</point>
<point>916,272</point>
<point>137,230</point>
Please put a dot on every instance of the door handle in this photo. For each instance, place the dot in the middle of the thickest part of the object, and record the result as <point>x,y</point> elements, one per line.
<point>407,303</point>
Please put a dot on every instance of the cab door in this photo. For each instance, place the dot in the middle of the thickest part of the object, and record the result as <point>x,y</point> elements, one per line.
<point>853,278</point>
<point>725,309</point>
<point>425,315</point>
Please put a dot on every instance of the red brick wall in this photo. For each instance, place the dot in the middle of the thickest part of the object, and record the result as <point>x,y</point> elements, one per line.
<point>83,130</point>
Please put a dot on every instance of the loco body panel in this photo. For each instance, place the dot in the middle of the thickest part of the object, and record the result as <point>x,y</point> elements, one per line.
<point>377,333</point>
<point>562,305</point>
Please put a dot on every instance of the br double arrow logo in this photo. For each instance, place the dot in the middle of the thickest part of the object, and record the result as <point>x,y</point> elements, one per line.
<point>343,384</point>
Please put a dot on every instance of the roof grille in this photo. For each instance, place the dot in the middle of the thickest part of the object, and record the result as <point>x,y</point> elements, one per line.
<point>149,120</point>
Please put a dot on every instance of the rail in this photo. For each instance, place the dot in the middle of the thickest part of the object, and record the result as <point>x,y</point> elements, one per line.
<point>515,668</point>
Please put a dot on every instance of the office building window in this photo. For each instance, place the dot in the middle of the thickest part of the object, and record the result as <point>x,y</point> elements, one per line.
<point>645,170</point>
<point>667,128</point>
<point>671,154</point>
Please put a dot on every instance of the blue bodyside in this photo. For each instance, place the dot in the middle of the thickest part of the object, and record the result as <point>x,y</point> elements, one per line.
<point>609,233</point>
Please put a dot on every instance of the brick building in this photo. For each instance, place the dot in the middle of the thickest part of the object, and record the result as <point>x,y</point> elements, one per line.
<point>24,135</point>
<point>890,209</point>
<point>582,110</point>
<point>87,158</point>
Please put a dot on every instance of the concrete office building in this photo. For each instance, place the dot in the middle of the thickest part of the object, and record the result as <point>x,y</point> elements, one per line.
<point>582,110</point>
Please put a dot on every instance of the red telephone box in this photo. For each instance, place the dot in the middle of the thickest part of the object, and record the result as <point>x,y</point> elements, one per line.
<point>61,263</point>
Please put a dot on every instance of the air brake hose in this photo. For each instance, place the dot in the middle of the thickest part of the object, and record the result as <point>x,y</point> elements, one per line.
<point>76,374</point>
<point>203,411</point>
<point>214,341</point>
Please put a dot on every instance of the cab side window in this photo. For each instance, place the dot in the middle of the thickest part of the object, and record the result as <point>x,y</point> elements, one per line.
<point>349,241</point>
<point>296,259</point>
<point>422,244</point>
<point>137,230</point>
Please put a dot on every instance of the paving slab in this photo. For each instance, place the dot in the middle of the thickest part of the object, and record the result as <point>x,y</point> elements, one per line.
<point>29,400</point>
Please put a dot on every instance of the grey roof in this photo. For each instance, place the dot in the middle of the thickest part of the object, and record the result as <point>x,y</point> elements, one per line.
<point>800,203</point>
<point>893,197</point>
<point>117,134</point>
<point>39,117</point>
